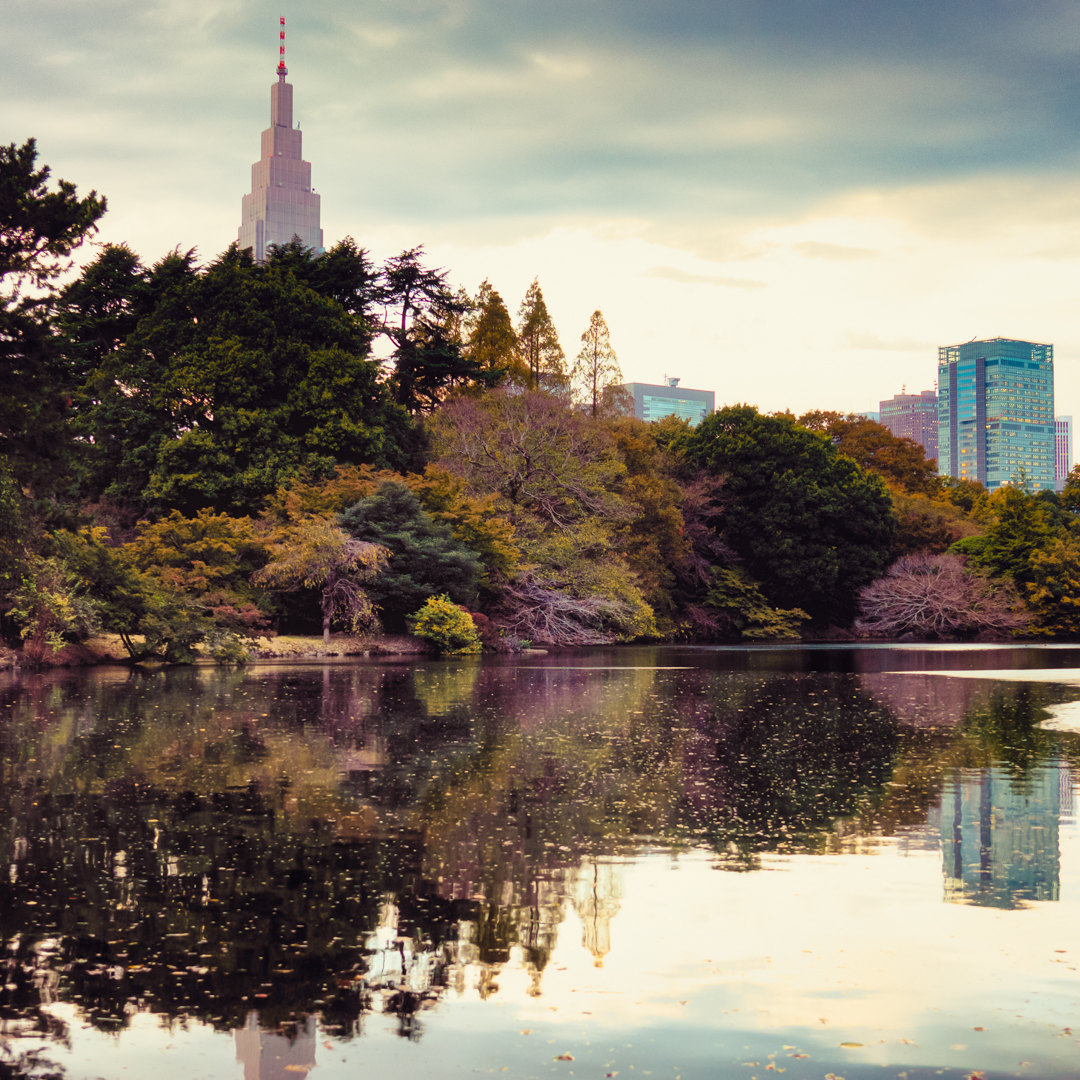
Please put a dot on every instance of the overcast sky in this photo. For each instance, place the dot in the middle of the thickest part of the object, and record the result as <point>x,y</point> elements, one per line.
<point>790,202</point>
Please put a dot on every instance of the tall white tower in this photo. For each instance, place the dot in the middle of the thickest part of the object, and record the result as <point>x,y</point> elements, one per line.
<point>281,204</point>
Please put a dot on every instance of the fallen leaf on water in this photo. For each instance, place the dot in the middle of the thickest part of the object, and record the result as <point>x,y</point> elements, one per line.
<point>296,1068</point>
<point>329,1045</point>
<point>978,1029</point>
<point>958,1046</point>
<point>563,1057</point>
<point>851,1044</point>
<point>526,1031</point>
<point>977,1075</point>
<point>611,1074</point>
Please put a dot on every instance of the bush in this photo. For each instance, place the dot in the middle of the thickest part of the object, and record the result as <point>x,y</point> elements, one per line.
<point>448,627</point>
<point>934,596</point>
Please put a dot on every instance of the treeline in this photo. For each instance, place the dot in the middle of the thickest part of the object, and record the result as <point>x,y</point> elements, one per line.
<point>194,455</point>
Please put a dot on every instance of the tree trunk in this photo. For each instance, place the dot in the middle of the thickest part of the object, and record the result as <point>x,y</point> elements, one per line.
<point>326,629</point>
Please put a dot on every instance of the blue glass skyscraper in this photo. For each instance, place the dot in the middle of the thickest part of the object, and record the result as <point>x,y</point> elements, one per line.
<point>996,411</point>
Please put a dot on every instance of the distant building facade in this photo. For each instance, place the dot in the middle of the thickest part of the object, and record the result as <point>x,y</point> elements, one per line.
<point>870,414</point>
<point>652,402</point>
<point>281,204</point>
<point>913,416</point>
<point>996,412</point>
<point>1063,450</point>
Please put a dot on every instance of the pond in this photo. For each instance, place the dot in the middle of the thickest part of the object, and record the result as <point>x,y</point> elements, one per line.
<point>670,862</point>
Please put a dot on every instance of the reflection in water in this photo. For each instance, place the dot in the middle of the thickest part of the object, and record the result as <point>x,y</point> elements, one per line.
<point>999,835</point>
<point>253,848</point>
<point>283,1054</point>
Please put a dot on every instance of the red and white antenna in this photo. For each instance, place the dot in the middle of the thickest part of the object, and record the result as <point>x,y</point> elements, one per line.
<point>282,69</point>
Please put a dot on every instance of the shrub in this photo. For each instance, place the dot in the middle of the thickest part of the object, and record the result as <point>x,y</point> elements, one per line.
<point>935,596</point>
<point>446,626</point>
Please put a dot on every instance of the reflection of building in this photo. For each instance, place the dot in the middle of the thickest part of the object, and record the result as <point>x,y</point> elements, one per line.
<point>597,893</point>
<point>999,836</point>
<point>281,204</point>
<point>913,416</point>
<point>655,402</point>
<point>272,1055</point>
<point>996,411</point>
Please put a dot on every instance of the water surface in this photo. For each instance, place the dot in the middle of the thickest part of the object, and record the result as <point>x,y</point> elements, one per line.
<point>653,861</point>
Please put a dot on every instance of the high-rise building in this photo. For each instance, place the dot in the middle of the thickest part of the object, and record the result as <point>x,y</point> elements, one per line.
<point>652,402</point>
<point>1063,450</point>
<point>913,416</point>
<point>996,412</point>
<point>281,205</point>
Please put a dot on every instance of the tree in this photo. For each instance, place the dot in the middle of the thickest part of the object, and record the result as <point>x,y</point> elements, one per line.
<point>543,458</point>
<point>541,353</point>
<point>807,524</point>
<point>1020,527</point>
<point>901,461</point>
<point>422,317</point>
<point>239,378</point>
<point>739,603</point>
<point>40,227</point>
<point>935,596</point>
<point>316,554</point>
<point>1053,592</point>
<point>596,366</point>
<point>492,343</point>
<point>424,557</point>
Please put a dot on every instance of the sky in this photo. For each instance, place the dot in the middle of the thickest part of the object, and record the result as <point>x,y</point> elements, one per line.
<point>790,202</point>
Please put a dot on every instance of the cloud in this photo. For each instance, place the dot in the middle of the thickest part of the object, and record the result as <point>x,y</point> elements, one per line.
<point>815,249</point>
<point>673,274</point>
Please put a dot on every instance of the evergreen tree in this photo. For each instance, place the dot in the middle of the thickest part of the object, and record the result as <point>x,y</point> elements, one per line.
<point>425,559</point>
<point>596,367</point>
<point>40,227</point>
<point>538,342</point>
<point>422,319</point>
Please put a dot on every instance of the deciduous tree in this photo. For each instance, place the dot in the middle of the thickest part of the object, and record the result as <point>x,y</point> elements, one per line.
<point>596,367</point>
<point>541,353</point>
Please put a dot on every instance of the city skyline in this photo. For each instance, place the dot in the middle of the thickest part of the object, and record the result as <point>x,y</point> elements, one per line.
<point>821,198</point>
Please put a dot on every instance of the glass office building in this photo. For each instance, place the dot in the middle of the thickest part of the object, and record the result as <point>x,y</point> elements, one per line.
<point>996,412</point>
<point>653,402</point>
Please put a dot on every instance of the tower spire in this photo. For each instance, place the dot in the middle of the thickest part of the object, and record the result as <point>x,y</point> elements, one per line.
<point>282,70</point>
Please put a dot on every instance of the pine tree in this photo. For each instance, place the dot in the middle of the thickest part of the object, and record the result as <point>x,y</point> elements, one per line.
<point>596,367</point>
<point>539,345</point>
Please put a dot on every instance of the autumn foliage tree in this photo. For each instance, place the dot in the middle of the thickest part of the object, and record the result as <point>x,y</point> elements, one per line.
<point>538,343</point>
<point>315,554</point>
<point>596,367</point>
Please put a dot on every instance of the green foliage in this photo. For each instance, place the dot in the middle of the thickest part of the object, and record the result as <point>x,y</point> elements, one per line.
<point>13,529</point>
<point>425,559</point>
<point>238,378</point>
<point>926,524</point>
<point>446,626</point>
<point>806,522</point>
<point>152,619</point>
<point>40,226</point>
<point>50,606</point>
<point>1053,587</point>
<point>741,603</point>
<point>1019,527</point>
<point>423,324</point>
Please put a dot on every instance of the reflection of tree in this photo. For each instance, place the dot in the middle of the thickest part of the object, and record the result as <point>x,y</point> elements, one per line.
<point>792,756</point>
<point>362,838</point>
